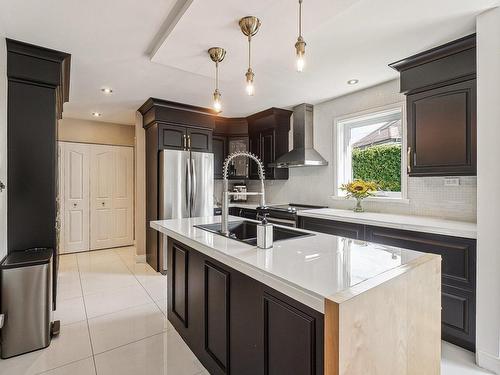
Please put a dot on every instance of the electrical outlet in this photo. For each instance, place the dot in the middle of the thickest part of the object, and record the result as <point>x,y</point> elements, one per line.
<point>452,181</point>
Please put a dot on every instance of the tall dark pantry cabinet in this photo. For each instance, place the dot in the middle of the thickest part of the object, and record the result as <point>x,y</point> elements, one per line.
<point>38,85</point>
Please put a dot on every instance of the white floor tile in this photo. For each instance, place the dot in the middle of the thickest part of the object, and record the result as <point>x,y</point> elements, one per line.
<point>95,257</point>
<point>162,304</point>
<point>72,344</point>
<point>68,285</point>
<point>156,287</point>
<point>83,367</point>
<point>111,301</point>
<point>113,330</point>
<point>70,311</point>
<point>157,355</point>
<point>68,262</point>
<point>458,361</point>
<point>106,276</point>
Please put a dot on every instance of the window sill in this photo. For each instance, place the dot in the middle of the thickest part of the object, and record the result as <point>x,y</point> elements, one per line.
<point>374,199</point>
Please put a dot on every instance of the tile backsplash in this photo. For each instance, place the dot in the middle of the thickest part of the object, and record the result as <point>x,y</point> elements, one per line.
<point>427,196</point>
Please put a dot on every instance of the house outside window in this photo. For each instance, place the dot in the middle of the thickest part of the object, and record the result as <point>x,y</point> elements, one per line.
<point>370,146</point>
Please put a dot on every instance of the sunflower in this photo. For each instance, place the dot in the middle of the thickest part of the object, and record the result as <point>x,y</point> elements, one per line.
<point>359,188</point>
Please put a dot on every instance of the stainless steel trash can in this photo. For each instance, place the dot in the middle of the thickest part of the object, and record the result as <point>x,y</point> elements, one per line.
<point>26,301</point>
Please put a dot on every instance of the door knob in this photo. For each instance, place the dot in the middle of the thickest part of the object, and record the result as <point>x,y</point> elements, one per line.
<point>103,203</point>
<point>2,186</point>
<point>74,204</point>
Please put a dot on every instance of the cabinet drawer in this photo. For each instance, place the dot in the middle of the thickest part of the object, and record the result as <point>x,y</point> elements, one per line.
<point>458,316</point>
<point>458,254</point>
<point>337,228</point>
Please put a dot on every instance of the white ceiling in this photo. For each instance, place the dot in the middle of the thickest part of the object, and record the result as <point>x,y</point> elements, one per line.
<point>111,43</point>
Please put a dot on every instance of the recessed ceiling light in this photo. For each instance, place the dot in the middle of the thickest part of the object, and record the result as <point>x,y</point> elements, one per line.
<point>107,90</point>
<point>352,81</point>
<point>96,114</point>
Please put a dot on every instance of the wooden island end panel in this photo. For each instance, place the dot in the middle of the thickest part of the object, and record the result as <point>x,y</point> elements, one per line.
<point>388,325</point>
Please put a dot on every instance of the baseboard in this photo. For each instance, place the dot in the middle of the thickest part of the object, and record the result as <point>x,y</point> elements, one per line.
<point>140,258</point>
<point>488,361</point>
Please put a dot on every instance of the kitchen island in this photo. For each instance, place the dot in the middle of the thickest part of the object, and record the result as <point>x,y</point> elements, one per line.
<point>317,304</point>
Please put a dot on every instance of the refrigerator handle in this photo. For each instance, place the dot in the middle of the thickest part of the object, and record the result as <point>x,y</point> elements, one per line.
<point>193,182</point>
<point>188,186</point>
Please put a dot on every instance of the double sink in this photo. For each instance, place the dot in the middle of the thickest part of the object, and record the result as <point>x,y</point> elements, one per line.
<point>246,231</point>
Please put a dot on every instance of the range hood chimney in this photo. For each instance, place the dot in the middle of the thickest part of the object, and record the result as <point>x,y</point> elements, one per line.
<point>303,154</point>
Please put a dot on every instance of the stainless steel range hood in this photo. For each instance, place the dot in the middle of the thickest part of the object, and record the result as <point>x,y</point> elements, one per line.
<point>303,154</point>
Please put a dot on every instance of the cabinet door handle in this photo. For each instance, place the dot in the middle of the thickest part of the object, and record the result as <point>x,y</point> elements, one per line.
<point>184,141</point>
<point>408,160</point>
<point>189,142</point>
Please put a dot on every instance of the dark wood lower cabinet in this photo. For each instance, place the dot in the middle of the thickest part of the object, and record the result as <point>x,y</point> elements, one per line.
<point>237,325</point>
<point>337,228</point>
<point>217,314</point>
<point>289,339</point>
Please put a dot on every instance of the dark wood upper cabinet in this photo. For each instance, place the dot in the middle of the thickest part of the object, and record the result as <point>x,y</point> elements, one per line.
<point>442,131</point>
<point>268,139</point>
<point>199,140</point>
<point>440,85</point>
<point>230,135</point>
<point>173,137</point>
<point>219,148</point>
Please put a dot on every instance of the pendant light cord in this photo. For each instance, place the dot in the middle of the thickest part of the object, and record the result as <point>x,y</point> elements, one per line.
<point>300,18</point>
<point>249,51</point>
<point>216,75</point>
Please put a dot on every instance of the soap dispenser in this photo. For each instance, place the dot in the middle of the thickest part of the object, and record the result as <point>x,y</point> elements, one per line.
<point>264,234</point>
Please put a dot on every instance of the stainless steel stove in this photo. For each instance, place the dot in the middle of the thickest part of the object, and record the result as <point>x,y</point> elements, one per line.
<point>285,214</point>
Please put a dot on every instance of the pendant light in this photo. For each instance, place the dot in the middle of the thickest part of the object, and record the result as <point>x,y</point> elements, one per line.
<point>249,26</point>
<point>217,54</point>
<point>300,45</point>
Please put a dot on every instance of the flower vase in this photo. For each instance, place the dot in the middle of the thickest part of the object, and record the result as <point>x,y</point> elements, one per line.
<point>358,207</point>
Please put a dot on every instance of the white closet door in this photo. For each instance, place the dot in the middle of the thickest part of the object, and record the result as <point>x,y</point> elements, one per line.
<point>111,219</point>
<point>123,196</point>
<point>75,202</point>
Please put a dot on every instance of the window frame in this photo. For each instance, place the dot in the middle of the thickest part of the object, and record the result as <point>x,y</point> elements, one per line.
<point>339,137</point>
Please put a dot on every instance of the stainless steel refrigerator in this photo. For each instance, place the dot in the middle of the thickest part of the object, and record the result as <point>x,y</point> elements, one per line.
<point>186,187</point>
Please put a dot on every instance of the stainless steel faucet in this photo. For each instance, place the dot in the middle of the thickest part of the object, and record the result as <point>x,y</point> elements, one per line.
<point>226,193</point>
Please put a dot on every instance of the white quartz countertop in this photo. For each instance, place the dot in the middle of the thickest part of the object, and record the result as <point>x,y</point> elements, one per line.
<point>308,269</point>
<point>406,222</point>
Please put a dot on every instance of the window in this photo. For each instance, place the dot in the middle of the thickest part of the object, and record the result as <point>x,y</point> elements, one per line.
<point>370,147</point>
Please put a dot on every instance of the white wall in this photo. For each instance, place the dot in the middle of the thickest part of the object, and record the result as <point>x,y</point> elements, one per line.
<point>87,131</point>
<point>488,180</point>
<point>3,146</point>
<point>314,185</point>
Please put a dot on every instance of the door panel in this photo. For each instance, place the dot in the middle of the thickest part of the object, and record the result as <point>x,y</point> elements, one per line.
<point>217,314</point>
<point>173,137</point>
<point>75,197</point>
<point>111,179</point>
<point>289,339</point>
<point>202,177</point>
<point>123,197</point>
<point>442,130</point>
<point>199,140</point>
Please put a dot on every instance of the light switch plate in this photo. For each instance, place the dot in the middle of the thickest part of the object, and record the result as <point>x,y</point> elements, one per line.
<point>452,181</point>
